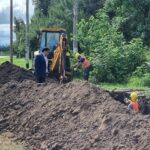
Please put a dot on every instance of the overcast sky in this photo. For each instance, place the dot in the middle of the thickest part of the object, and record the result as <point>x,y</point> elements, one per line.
<point>19,10</point>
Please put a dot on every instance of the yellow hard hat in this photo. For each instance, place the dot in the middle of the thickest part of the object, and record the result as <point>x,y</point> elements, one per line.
<point>77,55</point>
<point>134,96</point>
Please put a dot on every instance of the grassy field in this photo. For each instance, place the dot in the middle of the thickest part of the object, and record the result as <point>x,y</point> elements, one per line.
<point>17,61</point>
<point>134,83</point>
<point>128,86</point>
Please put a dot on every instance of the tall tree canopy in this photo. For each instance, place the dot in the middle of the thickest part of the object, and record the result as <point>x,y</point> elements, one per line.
<point>133,17</point>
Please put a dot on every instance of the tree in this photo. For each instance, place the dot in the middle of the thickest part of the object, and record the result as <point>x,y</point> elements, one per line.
<point>132,16</point>
<point>113,59</point>
<point>19,45</point>
<point>42,6</point>
<point>89,7</point>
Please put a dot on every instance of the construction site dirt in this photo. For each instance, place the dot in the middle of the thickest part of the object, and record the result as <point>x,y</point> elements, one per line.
<point>10,72</point>
<point>73,116</point>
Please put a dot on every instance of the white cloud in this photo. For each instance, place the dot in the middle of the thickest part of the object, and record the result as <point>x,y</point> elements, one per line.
<point>3,4</point>
<point>19,9</point>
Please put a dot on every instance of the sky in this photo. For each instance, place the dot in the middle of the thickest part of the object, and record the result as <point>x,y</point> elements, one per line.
<point>19,10</point>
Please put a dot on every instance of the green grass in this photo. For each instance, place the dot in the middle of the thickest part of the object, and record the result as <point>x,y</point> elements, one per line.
<point>17,61</point>
<point>134,83</point>
<point>128,86</point>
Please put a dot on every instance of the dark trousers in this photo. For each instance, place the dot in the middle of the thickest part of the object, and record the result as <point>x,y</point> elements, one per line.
<point>40,79</point>
<point>86,73</point>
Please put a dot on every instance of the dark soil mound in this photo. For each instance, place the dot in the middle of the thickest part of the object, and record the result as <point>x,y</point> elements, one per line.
<point>10,72</point>
<point>73,116</point>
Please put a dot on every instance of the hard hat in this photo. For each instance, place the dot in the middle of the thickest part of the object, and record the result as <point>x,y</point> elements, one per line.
<point>77,55</point>
<point>134,96</point>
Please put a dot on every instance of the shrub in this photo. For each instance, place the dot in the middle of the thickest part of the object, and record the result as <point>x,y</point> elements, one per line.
<point>146,80</point>
<point>113,59</point>
<point>143,69</point>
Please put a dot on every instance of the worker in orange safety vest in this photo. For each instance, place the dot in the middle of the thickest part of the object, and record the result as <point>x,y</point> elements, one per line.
<point>133,103</point>
<point>85,63</point>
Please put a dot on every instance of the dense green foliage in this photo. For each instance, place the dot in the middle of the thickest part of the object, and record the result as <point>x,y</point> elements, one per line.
<point>89,7</point>
<point>133,17</point>
<point>113,58</point>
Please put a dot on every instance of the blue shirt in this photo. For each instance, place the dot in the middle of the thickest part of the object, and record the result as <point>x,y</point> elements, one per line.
<point>81,60</point>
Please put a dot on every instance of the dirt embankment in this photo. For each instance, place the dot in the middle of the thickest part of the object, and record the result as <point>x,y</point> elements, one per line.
<point>10,72</point>
<point>73,116</point>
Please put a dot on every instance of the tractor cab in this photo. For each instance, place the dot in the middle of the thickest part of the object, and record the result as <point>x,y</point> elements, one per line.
<point>50,38</point>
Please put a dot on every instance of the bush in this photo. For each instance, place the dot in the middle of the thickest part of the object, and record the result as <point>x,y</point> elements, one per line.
<point>143,69</point>
<point>146,80</point>
<point>113,59</point>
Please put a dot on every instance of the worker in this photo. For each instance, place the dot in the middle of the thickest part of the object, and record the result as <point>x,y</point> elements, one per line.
<point>41,65</point>
<point>133,103</point>
<point>86,65</point>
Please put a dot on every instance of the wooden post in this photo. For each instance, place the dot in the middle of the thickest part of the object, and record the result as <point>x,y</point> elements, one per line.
<point>11,31</point>
<point>27,34</point>
<point>75,21</point>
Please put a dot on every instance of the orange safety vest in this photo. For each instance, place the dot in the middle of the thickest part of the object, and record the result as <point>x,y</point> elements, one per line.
<point>135,106</point>
<point>86,64</point>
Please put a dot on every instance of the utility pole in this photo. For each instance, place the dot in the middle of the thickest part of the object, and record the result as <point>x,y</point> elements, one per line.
<point>75,21</point>
<point>11,31</point>
<point>27,34</point>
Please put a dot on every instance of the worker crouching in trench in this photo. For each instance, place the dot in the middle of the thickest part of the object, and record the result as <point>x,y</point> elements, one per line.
<point>133,102</point>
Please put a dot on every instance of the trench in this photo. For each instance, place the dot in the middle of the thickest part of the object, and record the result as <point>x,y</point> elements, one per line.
<point>144,99</point>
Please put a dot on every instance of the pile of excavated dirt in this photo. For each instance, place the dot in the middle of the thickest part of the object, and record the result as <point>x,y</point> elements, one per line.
<point>73,116</point>
<point>10,72</point>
